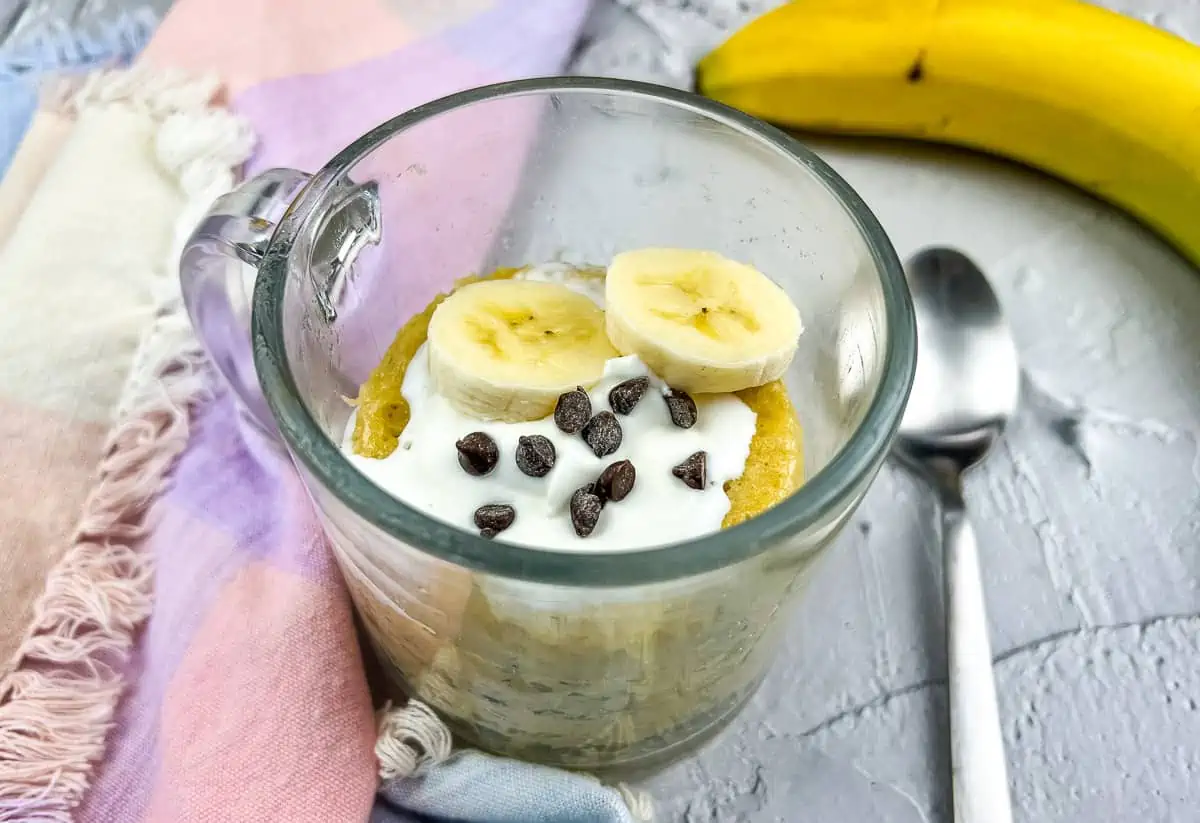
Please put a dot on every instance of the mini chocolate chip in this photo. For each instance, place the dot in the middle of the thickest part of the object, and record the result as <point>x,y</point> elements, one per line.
<point>477,453</point>
<point>585,510</point>
<point>681,407</point>
<point>535,455</point>
<point>572,410</point>
<point>616,481</point>
<point>488,533</point>
<point>494,518</point>
<point>603,434</point>
<point>624,396</point>
<point>594,488</point>
<point>693,471</point>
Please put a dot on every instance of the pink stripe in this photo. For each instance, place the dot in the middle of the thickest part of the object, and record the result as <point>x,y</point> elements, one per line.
<point>249,699</point>
<point>269,711</point>
<point>253,41</point>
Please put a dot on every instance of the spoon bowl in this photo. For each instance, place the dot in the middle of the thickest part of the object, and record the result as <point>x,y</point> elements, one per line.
<point>967,383</point>
<point>966,388</point>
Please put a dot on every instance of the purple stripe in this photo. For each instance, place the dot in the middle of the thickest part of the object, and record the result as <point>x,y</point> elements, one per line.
<point>250,497</point>
<point>260,512</point>
<point>253,496</point>
<point>309,118</point>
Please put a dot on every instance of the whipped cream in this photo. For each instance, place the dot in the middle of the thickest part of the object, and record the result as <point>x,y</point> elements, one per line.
<point>424,471</point>
<point>589,283</point>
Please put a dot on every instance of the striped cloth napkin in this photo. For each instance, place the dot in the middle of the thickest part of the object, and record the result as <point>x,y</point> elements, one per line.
<point>181,645</point>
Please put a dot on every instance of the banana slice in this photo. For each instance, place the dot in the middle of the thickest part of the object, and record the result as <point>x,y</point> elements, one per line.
<point>506,349</point>
<point>700,321</point>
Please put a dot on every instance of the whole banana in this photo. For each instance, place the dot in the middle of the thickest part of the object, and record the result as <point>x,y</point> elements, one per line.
<point>1095,98</point>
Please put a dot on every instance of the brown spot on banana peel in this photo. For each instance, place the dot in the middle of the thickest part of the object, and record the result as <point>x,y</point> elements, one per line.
<point>916,72</point>
<point>1147,169</point>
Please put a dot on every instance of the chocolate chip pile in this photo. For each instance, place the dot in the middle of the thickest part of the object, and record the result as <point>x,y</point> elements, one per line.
<point>478,454</point>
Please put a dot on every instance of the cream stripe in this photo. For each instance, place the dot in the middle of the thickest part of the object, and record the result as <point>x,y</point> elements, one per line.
<point>78,274</point>
<point>57,706</point>
<point>37,151</point>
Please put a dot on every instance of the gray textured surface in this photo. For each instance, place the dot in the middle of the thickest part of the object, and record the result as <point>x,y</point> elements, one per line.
<point>1088,519</point>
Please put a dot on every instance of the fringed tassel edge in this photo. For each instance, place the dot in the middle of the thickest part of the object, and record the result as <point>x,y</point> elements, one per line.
<point>411,737</point>
<point>57,705</point>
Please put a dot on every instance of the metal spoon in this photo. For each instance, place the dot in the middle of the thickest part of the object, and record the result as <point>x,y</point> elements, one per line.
<point>965,390</point>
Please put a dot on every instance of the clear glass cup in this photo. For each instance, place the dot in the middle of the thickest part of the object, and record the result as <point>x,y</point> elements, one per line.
<point>585,660</point>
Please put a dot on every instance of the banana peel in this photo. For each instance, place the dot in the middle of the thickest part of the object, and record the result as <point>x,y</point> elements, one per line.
<point>1097,99</point>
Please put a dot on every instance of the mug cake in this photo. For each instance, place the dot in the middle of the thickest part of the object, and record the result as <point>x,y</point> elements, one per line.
<point>579,409</point>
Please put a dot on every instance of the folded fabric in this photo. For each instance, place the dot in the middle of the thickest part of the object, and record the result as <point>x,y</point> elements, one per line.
<point>81,267</point>
<point>245,691</point>
<point>472,787</point>
<point>98,336</point>
<point>56,403</point>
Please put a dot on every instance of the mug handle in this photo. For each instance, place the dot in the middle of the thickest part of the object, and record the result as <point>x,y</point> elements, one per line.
<point>219,266</point>
<point>217,270</point>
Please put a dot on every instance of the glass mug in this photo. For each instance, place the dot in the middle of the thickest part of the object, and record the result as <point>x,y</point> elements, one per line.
<point>587,660</point>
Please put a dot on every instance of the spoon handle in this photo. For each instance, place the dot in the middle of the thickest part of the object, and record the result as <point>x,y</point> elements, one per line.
<point>980,776</point>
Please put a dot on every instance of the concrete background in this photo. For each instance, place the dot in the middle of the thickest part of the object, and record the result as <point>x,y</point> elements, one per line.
<point>1088,517</point>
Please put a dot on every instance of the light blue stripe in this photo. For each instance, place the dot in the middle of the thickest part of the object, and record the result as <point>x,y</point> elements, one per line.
<point>17,103</point>
<point>58,49</point>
